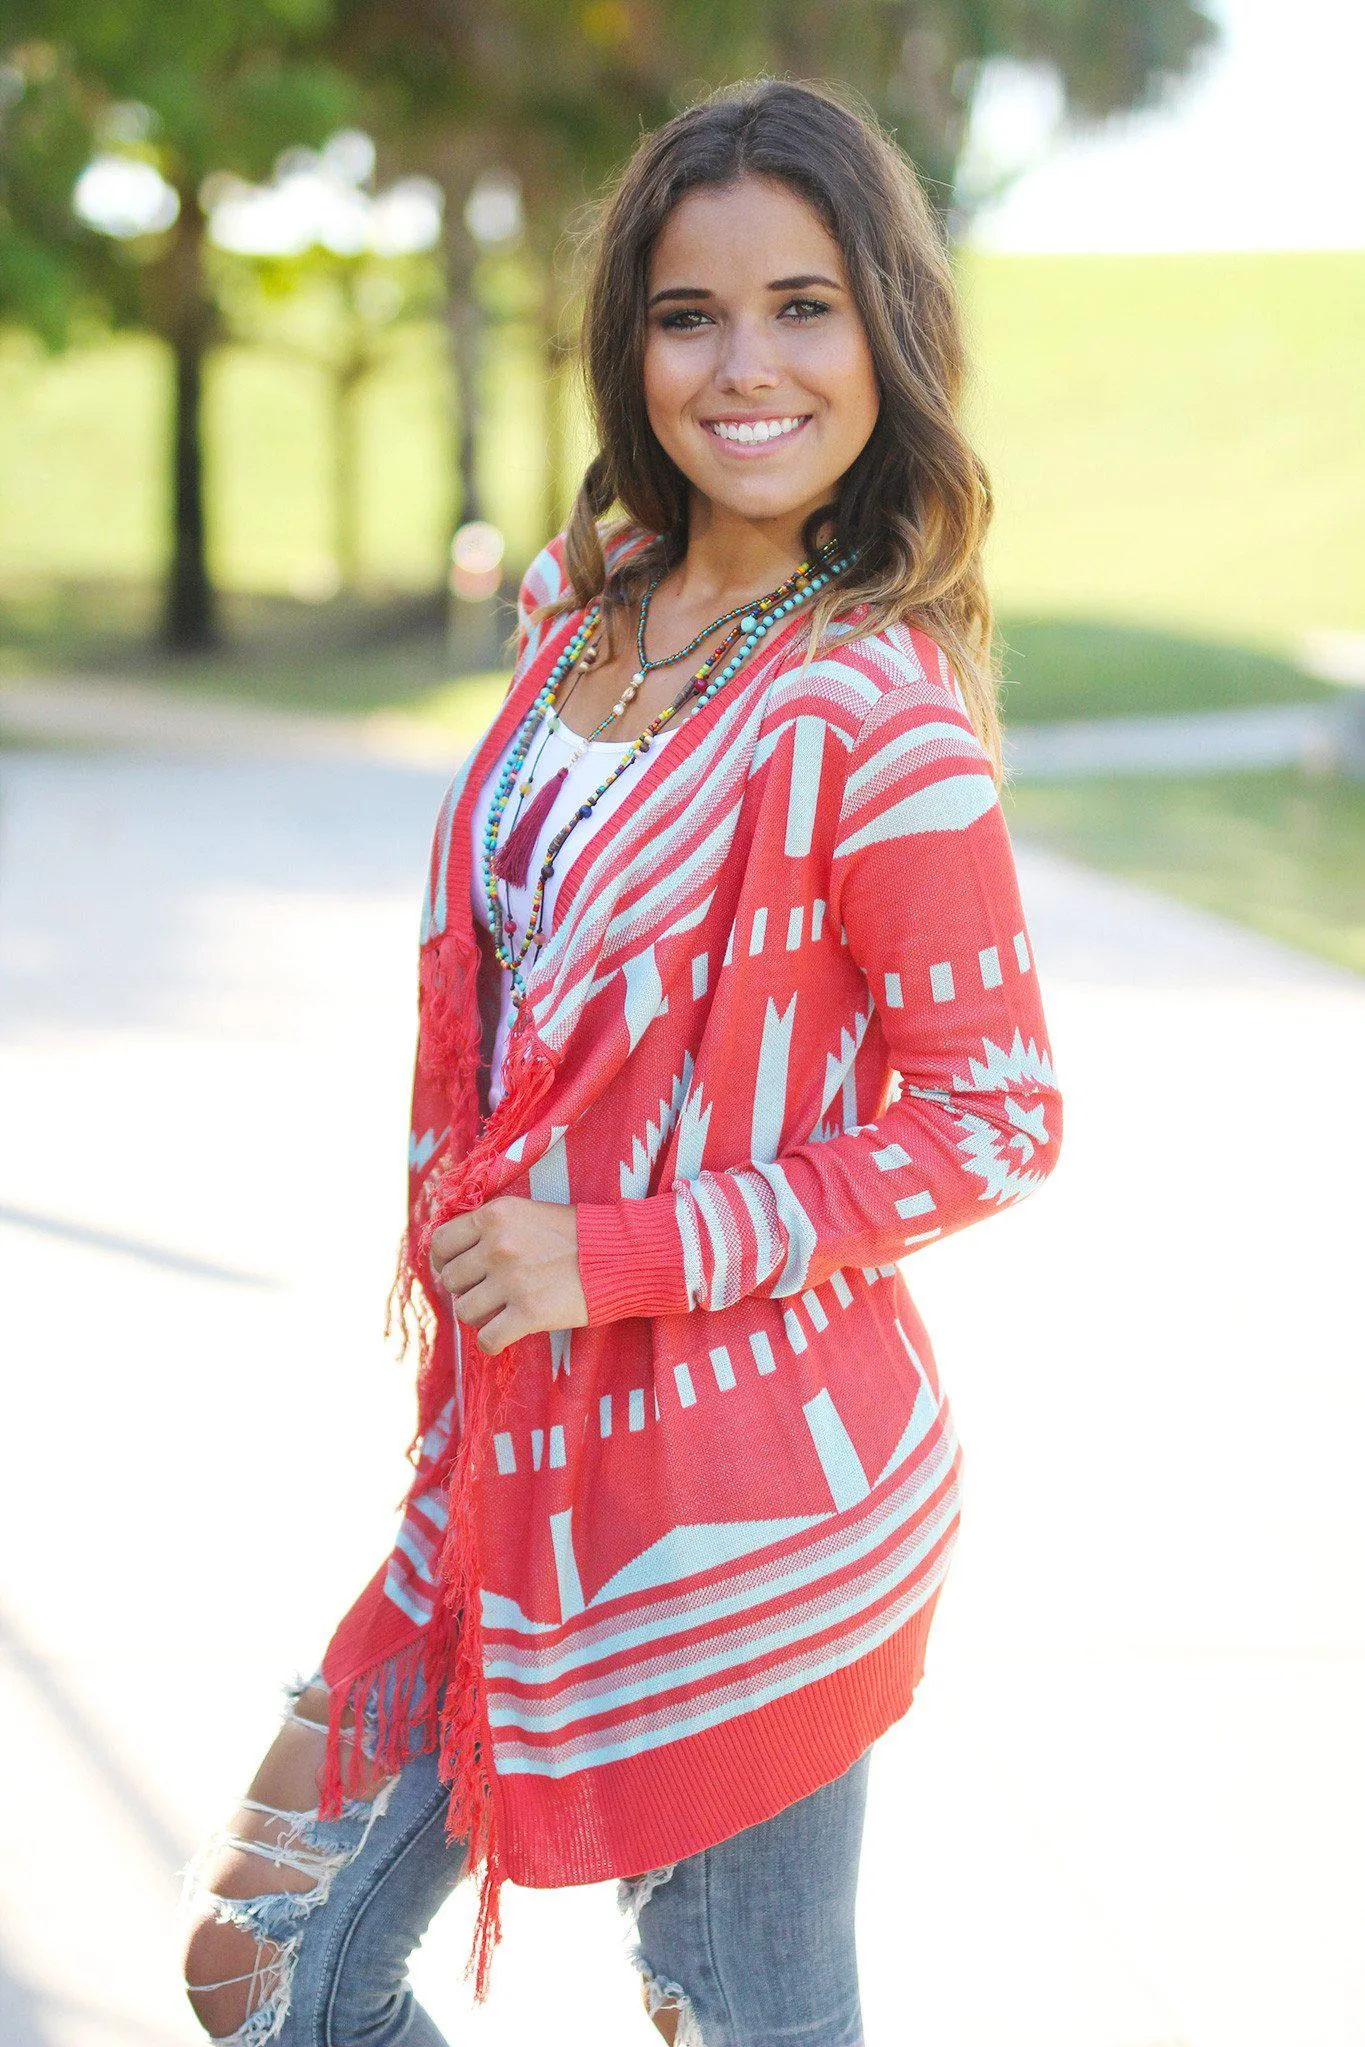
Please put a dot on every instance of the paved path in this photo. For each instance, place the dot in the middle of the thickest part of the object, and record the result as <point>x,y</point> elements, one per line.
<point>1126,1808</point>
<point>147,718</point>
<point>171,722</point>
<point>1190,742</point>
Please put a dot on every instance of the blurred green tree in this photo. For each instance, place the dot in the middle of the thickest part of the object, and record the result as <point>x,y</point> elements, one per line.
<point>553,93</point>
<point>52,263</point>
<point>920,63</point>
<point>319,265</point>
<point>183,92</point>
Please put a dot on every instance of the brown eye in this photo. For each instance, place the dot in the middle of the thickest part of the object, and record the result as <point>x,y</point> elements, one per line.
<point>804,310</point>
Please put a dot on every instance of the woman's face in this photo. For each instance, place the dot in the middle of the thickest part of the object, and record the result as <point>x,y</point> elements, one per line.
<point>759,380</point>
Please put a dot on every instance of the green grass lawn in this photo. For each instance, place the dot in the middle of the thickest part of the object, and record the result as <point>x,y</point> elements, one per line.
<point>1088,668</point>
<point>84,454</point>
<point>1177,445</point>
<point>1175,441</point>
<point>1279,850</point>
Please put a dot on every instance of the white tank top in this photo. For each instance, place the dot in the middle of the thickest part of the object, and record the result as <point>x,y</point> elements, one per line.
<point>592,767</point>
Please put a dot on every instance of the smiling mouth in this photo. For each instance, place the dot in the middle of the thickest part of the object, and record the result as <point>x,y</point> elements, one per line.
<point>755,433</point>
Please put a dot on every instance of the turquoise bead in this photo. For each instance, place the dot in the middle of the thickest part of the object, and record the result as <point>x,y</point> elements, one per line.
<point>755,624</point>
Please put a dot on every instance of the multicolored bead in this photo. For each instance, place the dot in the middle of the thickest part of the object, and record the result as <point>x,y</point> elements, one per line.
<point>755,621</point>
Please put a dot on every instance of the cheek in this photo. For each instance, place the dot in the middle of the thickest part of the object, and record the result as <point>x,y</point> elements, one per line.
<point>668,385</point>
<point>853,383</point>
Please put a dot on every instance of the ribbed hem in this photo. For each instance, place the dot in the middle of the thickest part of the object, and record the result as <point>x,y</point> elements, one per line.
<point>649,1810</point>
<point>630,1258</point>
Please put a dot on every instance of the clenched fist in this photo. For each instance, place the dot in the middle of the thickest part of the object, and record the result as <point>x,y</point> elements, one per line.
<point>511,1268</point>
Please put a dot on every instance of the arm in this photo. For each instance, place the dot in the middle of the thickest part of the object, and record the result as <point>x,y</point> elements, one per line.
<point>923,885</point>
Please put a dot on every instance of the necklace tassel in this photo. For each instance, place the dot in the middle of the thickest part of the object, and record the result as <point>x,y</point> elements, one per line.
<point>512,861</point>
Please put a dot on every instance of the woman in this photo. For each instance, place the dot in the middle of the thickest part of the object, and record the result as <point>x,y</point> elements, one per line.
<point>724,906</point>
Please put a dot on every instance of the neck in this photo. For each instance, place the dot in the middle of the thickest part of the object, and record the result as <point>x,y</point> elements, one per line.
<point>729,559</point>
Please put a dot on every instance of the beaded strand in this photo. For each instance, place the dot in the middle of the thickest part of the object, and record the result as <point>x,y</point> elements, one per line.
<point>754,625</point>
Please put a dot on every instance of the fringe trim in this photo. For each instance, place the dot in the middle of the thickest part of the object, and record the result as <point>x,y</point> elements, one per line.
<point>411,1314</point>
<point>450,1030</point>
<point>367,1696</point>
<point>449,1048</point>
<point>466,1737</point>
<point>461,1184</point>
<point>450,1655</point>
<point>466,1758</point>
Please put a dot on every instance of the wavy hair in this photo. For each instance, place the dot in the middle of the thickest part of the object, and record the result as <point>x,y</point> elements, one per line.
<point>917,500</point>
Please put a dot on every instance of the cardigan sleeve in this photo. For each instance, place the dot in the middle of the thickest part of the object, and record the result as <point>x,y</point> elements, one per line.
<point>547,580</point>
<point>923,890</point>
<point>544,581</point>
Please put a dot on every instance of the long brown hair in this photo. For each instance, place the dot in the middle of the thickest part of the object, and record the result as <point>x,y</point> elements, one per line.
<point>917,501</point>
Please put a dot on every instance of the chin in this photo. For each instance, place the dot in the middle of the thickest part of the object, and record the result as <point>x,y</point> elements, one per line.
<point>771,499</point>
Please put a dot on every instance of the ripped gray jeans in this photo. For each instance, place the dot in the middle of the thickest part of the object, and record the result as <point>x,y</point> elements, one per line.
<point>752,1941</point>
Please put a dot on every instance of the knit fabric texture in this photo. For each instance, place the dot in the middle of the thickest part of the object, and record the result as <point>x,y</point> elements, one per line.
<point>679,1565</point>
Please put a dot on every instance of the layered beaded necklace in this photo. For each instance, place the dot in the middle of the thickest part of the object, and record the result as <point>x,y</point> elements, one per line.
<point>510,862</point>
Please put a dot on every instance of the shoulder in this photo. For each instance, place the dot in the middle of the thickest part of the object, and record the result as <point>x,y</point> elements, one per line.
<point>916,763</point>
<point>547,581</point>
<point>544,581</point>
<point>547,578</point>
<point>900,668</point>
<point>868,683</point>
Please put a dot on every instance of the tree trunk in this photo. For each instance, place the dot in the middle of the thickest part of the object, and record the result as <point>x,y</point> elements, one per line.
<point>346,476</point>
<point>463,324</point>
<point>347,380</point>
<point>465,327</point>
<point>190,622</point>
<point>556,359</point>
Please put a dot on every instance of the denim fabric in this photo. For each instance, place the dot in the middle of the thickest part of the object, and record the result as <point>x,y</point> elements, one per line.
<point>756,1935</point>
<point>753,1938</point>
<point>350,1973</point>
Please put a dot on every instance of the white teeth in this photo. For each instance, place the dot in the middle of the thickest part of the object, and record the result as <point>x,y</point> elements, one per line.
<point>759,430</point>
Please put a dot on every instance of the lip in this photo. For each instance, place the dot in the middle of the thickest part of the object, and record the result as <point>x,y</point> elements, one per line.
<point>748,450</point>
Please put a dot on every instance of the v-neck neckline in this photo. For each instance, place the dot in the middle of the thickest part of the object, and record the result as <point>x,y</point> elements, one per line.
<point>684,741</point>
<point>657,764</point>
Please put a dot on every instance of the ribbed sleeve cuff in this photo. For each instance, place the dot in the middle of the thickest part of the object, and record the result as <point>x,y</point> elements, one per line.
<point>630,1258</point>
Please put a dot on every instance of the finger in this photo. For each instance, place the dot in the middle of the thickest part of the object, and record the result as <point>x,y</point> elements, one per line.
<point>478,1303</point>
<point>454,1236</point>
<point>465,1270</point>
<point>499,1330</point>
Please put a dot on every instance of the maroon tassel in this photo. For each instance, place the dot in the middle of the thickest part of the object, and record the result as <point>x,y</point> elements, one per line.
<point>513,858</point>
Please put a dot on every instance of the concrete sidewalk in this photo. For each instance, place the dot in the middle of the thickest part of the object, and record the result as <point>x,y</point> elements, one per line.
<point>1126,1808</point>
<point>1186,742</point>
<point>151,719</point>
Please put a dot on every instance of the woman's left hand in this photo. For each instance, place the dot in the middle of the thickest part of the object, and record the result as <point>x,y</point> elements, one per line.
<point>511,1268</point>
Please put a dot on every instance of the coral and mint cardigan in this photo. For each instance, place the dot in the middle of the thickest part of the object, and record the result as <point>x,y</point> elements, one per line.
<point>679,1565</point>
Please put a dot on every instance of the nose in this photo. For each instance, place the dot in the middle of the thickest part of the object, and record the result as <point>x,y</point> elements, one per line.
<point>747,358</point>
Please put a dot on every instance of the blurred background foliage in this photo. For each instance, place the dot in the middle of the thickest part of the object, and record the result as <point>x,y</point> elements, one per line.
<point>287,296</point>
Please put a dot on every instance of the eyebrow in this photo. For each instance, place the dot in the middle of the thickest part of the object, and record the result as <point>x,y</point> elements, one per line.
<point>697,291</point>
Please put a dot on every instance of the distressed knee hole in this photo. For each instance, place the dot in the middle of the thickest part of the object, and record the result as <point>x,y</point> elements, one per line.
<point>252,1886</point>
<point>234,1981</point>
<point>669,2007</point>
<point>667,2003</point>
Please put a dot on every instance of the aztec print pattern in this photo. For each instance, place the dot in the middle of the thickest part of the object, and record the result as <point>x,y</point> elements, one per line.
<point>796,1035</point>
